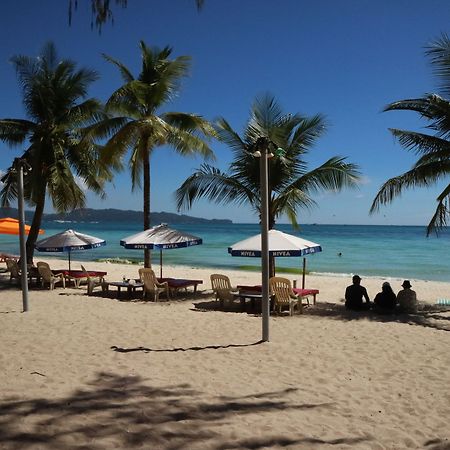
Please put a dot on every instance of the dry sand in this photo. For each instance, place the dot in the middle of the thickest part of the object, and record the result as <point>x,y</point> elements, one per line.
<point>79,372</point>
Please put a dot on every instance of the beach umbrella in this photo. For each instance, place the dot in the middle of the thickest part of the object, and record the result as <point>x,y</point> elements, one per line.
<point>280,244</point>
<point>11,226</point>
<point>67,241</point>
<point>160,237</point>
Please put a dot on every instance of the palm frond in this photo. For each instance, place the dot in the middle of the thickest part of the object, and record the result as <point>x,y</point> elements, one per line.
<point>441,216</point>
<point>419,176</point>
<point>211,183</point>
<point>439,53</point>
<point>422,144</point>
<point>15,131</point>
<point>333,175</point>
<point>127,76</point>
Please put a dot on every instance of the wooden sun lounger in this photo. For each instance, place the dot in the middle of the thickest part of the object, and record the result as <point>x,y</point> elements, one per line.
<point>175,284</point>
<point>304,293</point>
<point>77,276</point>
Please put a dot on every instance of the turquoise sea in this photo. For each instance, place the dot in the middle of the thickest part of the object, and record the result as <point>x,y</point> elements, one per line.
<point>369,250</point>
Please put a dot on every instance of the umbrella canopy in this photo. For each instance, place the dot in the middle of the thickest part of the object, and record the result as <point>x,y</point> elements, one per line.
<point>160,237</point>
<point>67,241</point>
<point>280,244</point>
<point>11,226</point>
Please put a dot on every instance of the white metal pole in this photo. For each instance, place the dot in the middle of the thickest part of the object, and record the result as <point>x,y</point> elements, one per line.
<point>23,249</point>
<point>264,242</point>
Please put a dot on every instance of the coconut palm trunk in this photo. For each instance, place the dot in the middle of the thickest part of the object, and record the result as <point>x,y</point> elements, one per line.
<point>34,229</point>
<point>139,127</point>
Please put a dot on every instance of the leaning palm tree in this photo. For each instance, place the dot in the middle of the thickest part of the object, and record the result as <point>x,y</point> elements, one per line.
<point>141,126</point>
<point>290,186</point>
<point>61,160</point>
<point>433,150</point>
<point>101,11</point>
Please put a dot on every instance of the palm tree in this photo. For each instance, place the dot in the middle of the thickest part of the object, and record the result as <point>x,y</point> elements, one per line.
<point>142,127</point>
<point>101,11</point>
<point>433,150</point>
<point>290,185</point>
<point>53,93</point>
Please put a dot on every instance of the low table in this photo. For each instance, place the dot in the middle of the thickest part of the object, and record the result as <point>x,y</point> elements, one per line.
<point>130,287</point>
<point>253,296</point>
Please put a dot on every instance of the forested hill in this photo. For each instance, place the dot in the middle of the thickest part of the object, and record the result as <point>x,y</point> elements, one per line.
<point>113,215</point>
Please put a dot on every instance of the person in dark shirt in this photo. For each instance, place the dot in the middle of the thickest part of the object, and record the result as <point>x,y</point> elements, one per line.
<point>385,300</point>
<point>354,295</point>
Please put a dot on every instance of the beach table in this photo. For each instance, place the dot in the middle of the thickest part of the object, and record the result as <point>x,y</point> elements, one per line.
<point>175,284</point>
<point>129,286</point>
<point>252,293</point>
<point>303,293</point>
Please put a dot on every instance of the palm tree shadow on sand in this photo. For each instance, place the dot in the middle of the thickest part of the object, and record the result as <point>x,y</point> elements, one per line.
<point>433,317</point>
<point>128,412</point>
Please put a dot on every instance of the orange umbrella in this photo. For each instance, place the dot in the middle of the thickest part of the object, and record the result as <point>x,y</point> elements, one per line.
<point>11,226</point>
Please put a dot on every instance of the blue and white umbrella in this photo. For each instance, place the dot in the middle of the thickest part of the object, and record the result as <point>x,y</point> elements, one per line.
<point>67,241</point>
<point>280,244</point>
<point>160,237</point>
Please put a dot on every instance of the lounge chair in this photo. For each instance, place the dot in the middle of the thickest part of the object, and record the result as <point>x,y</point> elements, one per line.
<point>14,270</point>
<point>221,285</point>
<point>284,296</point>
<point>92,281</point>
<point>151,284</point>
<point>48,277</point>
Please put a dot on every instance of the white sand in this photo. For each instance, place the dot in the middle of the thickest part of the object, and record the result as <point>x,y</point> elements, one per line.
<point>191,377</point>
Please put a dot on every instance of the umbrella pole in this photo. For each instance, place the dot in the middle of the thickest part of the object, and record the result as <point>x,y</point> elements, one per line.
<point>69,260</point>
<point>304,272</point>
<point>160,263</point>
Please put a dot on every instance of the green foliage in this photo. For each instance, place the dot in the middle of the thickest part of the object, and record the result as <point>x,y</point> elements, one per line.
<point>63,161</point>
<point>140,126</point>
<point>291,186</point>
<point>433,151</point>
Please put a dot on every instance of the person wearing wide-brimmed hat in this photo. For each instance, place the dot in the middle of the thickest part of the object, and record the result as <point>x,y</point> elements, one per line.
<point>407,298</point>
<point>354,295</point>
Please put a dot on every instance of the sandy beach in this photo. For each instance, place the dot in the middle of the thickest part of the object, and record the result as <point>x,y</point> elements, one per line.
<point>81,372</point>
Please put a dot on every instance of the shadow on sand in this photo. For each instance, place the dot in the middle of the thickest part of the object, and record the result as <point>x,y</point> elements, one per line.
<point>434,317</point>
<point>124,412</point>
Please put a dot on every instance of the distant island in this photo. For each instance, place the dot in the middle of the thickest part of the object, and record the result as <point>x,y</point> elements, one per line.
<point>110,215</point>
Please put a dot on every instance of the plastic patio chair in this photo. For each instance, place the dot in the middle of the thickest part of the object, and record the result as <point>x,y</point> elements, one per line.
<point>152,286</point>
<point>47,276</point>
<point>224,292</point>
<point>284,296</point>
<point>14,270</point>
<point>92,281</point>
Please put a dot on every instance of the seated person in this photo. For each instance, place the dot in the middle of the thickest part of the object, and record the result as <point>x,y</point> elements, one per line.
<point>354,296</point>
<point>407,299</point>
<point>385,300</point>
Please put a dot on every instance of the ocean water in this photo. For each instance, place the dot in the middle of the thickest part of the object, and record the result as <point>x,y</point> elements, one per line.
<point>369,250</point>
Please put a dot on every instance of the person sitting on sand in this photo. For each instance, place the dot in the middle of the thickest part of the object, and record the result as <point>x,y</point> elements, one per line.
<point>354,295</point>
<point>407,299</point>
<point>385,300</point>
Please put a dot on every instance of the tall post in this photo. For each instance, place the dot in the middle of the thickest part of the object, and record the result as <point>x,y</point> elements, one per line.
<point>265,302</point>
<point>23,249</point>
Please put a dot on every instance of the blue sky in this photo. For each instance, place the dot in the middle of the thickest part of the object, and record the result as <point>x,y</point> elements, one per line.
<point>345,59</point>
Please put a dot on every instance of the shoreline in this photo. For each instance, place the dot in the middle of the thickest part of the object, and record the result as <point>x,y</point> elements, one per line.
<point>331,286</point>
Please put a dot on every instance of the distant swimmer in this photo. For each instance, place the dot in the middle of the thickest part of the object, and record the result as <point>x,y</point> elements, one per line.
<point>339,254</point>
